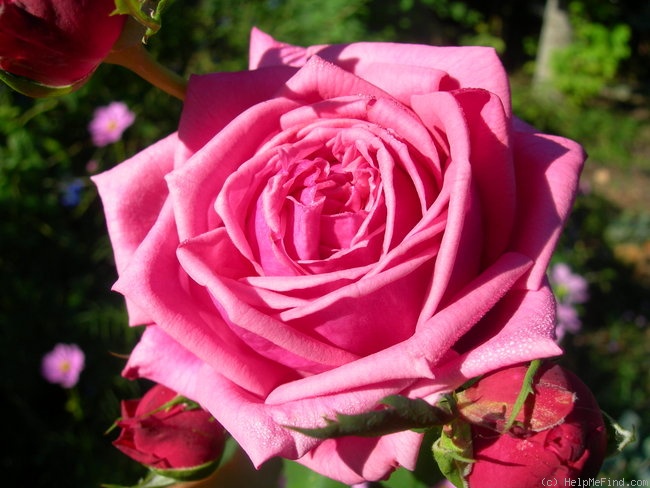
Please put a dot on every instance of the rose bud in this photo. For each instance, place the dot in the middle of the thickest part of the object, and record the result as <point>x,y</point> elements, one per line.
<point>559,433</point>
<point>162,433</point>
<point>51,47</point>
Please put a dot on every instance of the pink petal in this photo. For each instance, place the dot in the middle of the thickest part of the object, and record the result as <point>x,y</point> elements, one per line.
<point>214,100</point>
<point>155,282</point>
<point>266,51</point>
<point>260,428</point>
<point>195,186</point>
<point>467,67</point>
<point>358,459</point>
<point>133,194</point>
<point>416,357</point>
<point>489,156</point>
<point>547,170</point>
<point>462,235</point>
<point>277,339</point>
<point>320,79</point>
<point>522,329</point>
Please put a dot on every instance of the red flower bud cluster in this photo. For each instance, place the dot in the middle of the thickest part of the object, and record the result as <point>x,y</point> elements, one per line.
<point>559,435</point>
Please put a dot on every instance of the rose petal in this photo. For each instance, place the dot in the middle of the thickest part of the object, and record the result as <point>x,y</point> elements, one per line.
<point>214,100</point>
<point>467,67</point>
<point>358,459</point>
<point>264,435</point>
<point>547,170</point>
<point>519,329</point>
<point>187,313</point>
<point>194,186</point>
<point>489,154</point>
<point>321,79</point>
<point>463,227</point>
<point>133,195</point>
<point>416,357</point>
<point>277,339</point>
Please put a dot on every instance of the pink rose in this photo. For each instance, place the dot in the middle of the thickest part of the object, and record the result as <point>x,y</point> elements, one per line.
<point>57,43</point>
<point>560,438</point>
<point>168,437</point>
<point>339,224</point>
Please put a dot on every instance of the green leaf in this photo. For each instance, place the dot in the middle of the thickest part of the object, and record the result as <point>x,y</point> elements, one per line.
<point>177,400</point>
<point>526,389</point>
<point>152,480</point>
<point>403,478</point>
<point>453,452</point>
<point>151,18</point>
<point>189,474</point>
<point>35,89</point>
<point>427,470</point>
<point>298,476</point>
<point>398,414</point>
<point>618,437</point>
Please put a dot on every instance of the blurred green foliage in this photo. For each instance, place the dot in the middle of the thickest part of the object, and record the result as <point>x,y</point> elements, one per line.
<point>56,262</point>
<point>610,353</point>
<point>582,69</point>
<point>607,130</point>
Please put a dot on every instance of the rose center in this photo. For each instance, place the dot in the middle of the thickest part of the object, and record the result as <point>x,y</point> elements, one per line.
<point>339,189</point>
<point>327,200</point>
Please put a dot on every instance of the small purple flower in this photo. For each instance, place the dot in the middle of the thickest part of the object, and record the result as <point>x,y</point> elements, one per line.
<point>63,364</point>
<point>92,166</point>
<point>568,286</point>
<point>109,123</point>
<point>570,289</point>
<point>568,320</point>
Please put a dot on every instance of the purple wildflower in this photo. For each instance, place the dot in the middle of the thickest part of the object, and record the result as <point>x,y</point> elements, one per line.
<point>109,123</point>
<point>92,166</point>
<point>568,320</point>
<point>63,364</point>
<point>569,287</point>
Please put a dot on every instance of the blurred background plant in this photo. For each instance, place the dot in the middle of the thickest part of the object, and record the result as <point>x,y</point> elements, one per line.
<point>56,263</point>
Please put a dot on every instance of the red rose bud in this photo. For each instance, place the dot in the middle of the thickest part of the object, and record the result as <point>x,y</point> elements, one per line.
<point>164,435</point>
<point>51,47</point>
<point>559,433</point>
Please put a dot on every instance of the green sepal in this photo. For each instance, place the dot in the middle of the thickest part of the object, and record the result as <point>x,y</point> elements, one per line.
<point>152,480</point>
<point>526,389</point>
<point>160,478</point>
<point>35,89</point>
<point>453,452</point>
<point>194,473</point>
<point>618,437</point>
<point>177,400</point>
<point>151,19</point>
<point>398,414</point>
